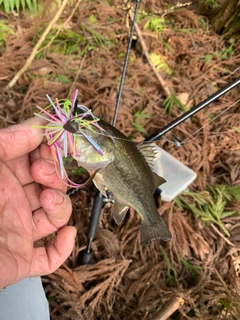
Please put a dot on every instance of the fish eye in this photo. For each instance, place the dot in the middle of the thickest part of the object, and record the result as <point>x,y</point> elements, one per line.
<point>71,127</point>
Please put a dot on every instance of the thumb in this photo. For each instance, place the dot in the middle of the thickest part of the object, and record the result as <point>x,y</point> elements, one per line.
<point>20,139</point>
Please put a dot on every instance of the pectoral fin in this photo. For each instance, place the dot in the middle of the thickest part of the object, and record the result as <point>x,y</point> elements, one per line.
<point>98,181</point>
<point>119,212</point>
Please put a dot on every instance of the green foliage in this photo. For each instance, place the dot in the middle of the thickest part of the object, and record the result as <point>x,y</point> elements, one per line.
<point>170,101</point>
<point>226,53</point>
<point>187,31</point>
<point>136,123</point>
<point>110,19</point>
<point>236,129</point>
<point>207,58</point>
<point>140,16</point>
<point>92,19</point>
<point>211,3</point>
<point>155,24</point>
<point>171,272</point>
<point>203,23</point>
<point>66,42</point>
<point>224,303</point>
<point>5,30</point>
<point>10,5</point>
<point>78,171</point>
<point>142,115</point>
<point>192,269</point>
<point>167,46</point>
<point>121,55</point>
<point>210,206</point>
<point>223,55</point>
<point>230,193</point>
<point>139,127</point>
<point>62,78</point>
<point>96,39</point>
<point>160,63</point>
<point>211,116</point>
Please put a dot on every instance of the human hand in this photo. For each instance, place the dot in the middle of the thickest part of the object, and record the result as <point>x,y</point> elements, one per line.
<point>33,204</point>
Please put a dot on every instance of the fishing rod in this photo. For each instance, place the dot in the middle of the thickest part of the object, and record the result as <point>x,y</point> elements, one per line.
<point>100,200</point>
<point>193,111</point>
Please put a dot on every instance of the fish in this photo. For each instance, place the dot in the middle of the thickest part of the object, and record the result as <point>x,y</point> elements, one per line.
<point>125,168</point>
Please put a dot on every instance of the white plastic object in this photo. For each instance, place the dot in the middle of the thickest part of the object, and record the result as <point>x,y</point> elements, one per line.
<point>177,175</point>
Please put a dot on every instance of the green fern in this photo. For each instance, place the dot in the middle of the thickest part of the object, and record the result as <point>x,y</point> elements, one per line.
<point>191,268</point>
<point>171,272</point>
<point>67,42</point>
<point>138,115</point>
<point>170,101</point>
<point>4,31</point>
<point>10,5</point>
<point>211,205</point>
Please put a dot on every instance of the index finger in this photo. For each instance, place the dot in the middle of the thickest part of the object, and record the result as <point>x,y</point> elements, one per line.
<point>20,139</point>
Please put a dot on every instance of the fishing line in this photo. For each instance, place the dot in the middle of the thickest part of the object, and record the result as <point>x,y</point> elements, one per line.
<point>187,140</point>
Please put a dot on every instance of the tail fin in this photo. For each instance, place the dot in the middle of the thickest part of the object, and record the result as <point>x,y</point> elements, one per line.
<point>156,230</point>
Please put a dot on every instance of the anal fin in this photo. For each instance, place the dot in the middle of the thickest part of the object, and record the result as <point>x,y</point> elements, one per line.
<point>157,180</point>
<point>119,212</point>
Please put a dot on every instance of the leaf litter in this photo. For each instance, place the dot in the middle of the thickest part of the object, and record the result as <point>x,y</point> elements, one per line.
<point>126,280</point>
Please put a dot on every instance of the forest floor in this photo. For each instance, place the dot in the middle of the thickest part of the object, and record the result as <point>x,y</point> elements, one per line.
<point>196,273</point>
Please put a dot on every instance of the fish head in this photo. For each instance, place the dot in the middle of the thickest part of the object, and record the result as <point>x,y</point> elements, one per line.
<point>94,156</point>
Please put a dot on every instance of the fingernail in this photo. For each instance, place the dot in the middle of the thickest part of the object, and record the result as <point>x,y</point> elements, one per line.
<point>48,167</point>
<point>58,197</point>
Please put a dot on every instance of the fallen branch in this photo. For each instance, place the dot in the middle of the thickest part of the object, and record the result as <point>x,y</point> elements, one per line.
<point>145,51</point>
<point>37,46</point>
<point>173,305</point>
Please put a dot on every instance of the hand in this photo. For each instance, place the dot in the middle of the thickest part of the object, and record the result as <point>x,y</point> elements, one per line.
<point>33,204</point>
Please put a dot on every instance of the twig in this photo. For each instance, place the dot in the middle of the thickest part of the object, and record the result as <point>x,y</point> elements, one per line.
<point>173,305</point>
<point>145,51</point>
<point>37,46</point>
<point>221,235</point>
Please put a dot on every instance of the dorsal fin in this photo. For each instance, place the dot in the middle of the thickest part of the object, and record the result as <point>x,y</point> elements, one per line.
<point>149,151</point>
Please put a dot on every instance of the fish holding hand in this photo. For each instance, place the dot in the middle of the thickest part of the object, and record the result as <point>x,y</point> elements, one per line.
<point>114,162</point>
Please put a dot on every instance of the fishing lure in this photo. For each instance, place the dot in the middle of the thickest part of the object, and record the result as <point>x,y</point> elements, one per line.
<point>64,128</point>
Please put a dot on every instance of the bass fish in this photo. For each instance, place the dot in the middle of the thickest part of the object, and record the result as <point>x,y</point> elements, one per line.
<point>125,168</point>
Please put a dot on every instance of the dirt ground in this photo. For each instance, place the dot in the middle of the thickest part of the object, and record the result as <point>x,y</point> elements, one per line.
<point>197,271</point>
